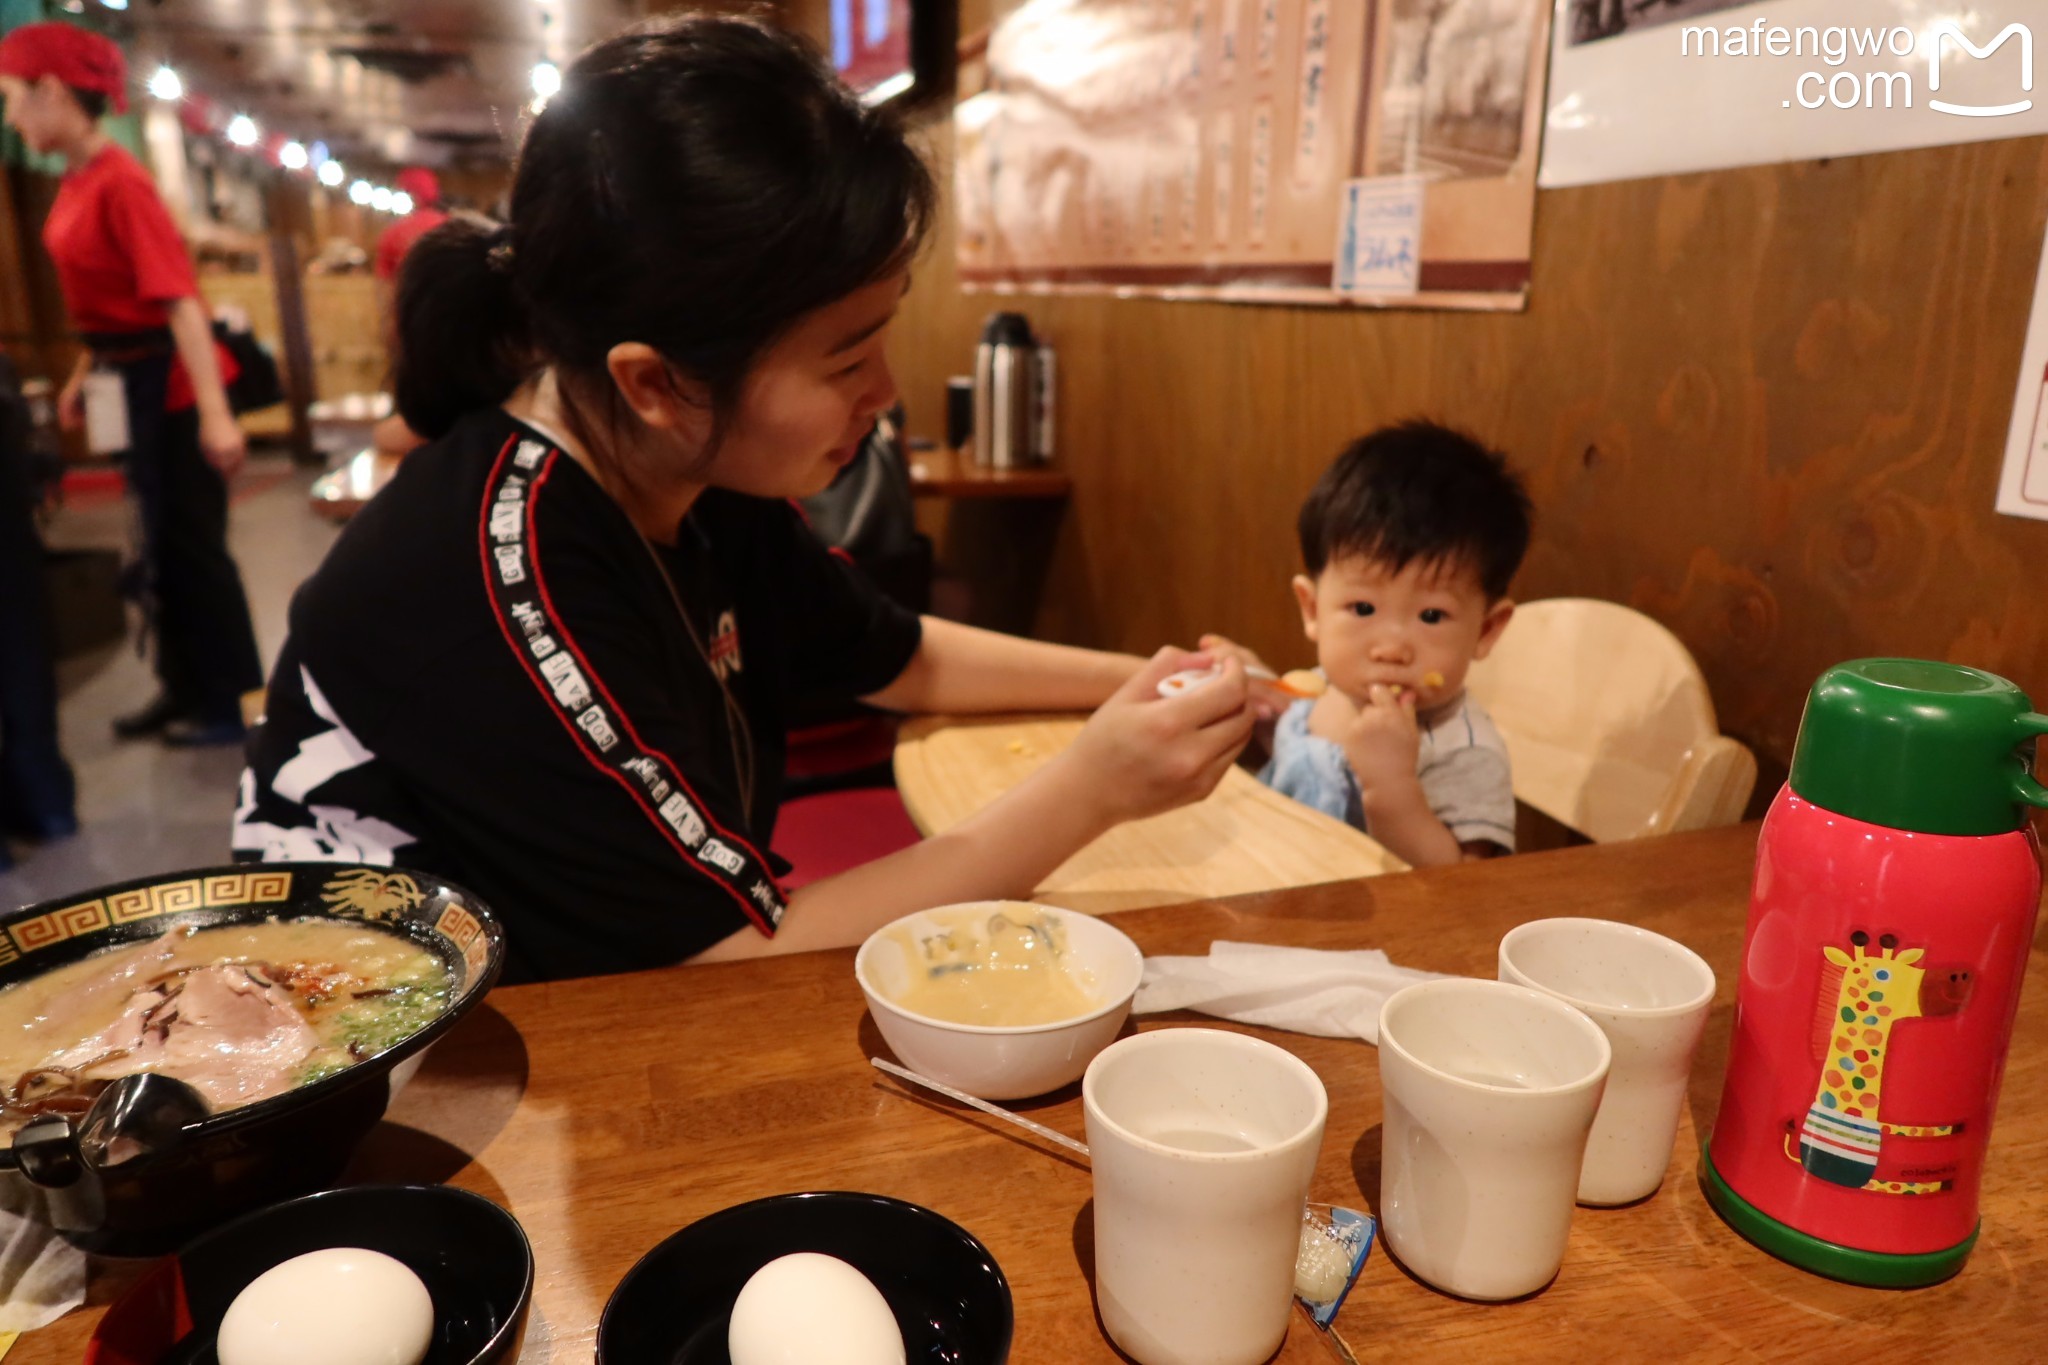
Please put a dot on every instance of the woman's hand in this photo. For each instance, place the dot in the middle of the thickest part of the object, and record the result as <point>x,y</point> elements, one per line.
<point>1267,700</point>
<point>1141,754</point>
<point>222,442</point>
<point>1223,647</point>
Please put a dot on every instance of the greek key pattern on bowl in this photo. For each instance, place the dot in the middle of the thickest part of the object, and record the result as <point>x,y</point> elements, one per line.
<point>462,929</point>
<point>258,887</point>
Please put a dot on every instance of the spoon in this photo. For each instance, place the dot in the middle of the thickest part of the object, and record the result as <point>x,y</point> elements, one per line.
<point>138,1115</point>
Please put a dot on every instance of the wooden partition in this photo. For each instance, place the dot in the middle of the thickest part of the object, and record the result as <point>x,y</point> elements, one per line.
<point>1765,406</point>
<point>346,329</point>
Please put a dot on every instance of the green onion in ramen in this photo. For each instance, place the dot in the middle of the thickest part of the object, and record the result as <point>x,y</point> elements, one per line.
<point>239,1012</point>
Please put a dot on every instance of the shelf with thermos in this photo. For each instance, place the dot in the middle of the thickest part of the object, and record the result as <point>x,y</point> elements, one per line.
<point>999,421</point>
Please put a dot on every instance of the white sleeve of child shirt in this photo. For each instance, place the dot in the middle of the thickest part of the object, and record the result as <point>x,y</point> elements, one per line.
<point>1465,776</point>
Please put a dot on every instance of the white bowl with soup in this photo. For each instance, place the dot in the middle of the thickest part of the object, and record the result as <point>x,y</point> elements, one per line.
<point>1001,999</point>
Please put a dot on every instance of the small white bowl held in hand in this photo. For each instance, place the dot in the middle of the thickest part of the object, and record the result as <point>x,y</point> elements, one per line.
<point>994,1063</point>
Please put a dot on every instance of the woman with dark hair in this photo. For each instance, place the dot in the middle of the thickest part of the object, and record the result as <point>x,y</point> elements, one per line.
<point>551,660</point>
<point>130,288</point>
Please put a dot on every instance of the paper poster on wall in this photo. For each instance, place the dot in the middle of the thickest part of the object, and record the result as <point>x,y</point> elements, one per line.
<point>1202,148</point>
<point>1656,87</point>
<point>2023,491</point>
<point>1379,235</point>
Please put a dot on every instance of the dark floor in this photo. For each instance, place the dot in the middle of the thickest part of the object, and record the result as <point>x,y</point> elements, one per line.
<point>143,808</point>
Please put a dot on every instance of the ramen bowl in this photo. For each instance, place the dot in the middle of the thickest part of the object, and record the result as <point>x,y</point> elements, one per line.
<point>1000,1061</point>
<point>119,1202</point>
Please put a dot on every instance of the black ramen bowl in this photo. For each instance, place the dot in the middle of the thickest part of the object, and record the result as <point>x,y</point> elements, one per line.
<point>471,1255</point>
<point>235,1160</point>
<point>949,1296</point>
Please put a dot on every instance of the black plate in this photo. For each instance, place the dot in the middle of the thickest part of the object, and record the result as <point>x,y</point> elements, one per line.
<point>298,1141</point>
<point>471,1254</point>
<point>949,1295</point>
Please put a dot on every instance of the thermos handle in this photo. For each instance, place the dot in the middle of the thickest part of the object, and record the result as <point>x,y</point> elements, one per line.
<point>2024,786</point>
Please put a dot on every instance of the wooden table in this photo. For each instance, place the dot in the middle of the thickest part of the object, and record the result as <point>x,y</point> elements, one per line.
<point>1245,837</point>
<point>954,474</point>
<point>715,1085</point>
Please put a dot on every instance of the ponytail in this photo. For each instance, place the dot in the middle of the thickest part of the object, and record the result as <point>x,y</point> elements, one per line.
<point>463,338</point>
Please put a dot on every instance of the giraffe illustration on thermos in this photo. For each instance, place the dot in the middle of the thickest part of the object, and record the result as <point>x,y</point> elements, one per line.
<point>1865,997</point>
<point>1897,882</point>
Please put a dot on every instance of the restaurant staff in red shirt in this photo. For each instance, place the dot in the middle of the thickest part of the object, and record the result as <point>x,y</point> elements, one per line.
<point>131,291</point>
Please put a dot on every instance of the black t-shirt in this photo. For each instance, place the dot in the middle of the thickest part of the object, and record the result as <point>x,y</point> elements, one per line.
<point>490,678</point>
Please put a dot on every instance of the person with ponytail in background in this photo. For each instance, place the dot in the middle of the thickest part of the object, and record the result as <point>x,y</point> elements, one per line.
<point>130,288</point>
<point>392,436</point>
<point>551,660</point>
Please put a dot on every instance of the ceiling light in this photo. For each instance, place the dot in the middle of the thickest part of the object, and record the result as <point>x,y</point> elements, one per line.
<point>292,156</point>
<point>165,84</point>
<point>380,199</point>
<point>242,131</point>
<point>359,193</point>
<point>401,203</point>
<point>331,173</point>
<point>547,79</point>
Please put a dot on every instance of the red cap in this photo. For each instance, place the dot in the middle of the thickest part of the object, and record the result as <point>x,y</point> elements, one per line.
<point>422,184</point>
<point>82,60</point>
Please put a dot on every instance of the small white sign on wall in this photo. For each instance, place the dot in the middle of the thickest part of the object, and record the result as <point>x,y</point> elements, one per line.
<point>1379,236</point>
<point>2023,491</point>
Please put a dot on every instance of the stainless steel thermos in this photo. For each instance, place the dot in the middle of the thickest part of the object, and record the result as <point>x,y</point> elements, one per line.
<point>1013,394</point>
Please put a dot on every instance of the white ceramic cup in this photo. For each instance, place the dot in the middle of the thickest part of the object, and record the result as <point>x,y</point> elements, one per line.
<point>1650,996</point>
<point>1203,1143</point>
<point>1489,1095</point>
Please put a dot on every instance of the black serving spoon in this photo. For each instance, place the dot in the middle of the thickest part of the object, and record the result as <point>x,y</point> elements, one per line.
<point>136,1116</point>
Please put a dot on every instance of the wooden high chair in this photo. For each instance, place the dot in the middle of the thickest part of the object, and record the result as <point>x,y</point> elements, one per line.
<point>1609,724</point>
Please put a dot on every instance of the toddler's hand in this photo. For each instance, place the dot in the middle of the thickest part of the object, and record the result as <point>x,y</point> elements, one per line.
<point>1380,738</point>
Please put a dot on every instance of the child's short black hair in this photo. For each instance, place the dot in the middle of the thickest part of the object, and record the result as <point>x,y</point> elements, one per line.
<point>93,102</point>
<point>1419,492</point>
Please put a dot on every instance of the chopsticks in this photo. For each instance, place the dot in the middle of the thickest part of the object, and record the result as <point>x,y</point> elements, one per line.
<point>992,1110</point>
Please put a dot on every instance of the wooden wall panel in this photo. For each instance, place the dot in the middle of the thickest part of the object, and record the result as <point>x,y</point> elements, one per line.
<point>1766,406</point>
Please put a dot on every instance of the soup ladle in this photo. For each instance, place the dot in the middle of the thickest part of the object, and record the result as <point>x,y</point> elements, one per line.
<point>136,1116</point>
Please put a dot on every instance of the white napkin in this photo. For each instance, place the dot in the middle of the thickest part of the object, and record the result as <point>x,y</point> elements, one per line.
<point>42,1276</point>
<point>1303,990</point>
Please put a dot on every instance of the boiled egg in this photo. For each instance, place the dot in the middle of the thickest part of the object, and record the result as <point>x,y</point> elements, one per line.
<point>342,1306</point>
<point>811,1309</point>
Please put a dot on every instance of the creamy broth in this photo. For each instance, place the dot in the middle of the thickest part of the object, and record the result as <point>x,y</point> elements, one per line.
<point>240,1012</point>
<point>999,970</point>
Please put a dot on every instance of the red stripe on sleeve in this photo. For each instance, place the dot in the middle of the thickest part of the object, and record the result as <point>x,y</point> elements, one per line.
<point>582,741</point>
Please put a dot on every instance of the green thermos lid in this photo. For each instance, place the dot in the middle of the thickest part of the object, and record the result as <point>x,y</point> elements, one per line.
<point>1911,744</point>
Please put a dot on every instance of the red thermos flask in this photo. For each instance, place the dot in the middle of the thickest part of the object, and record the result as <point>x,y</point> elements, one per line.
<point>1897,880</point>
